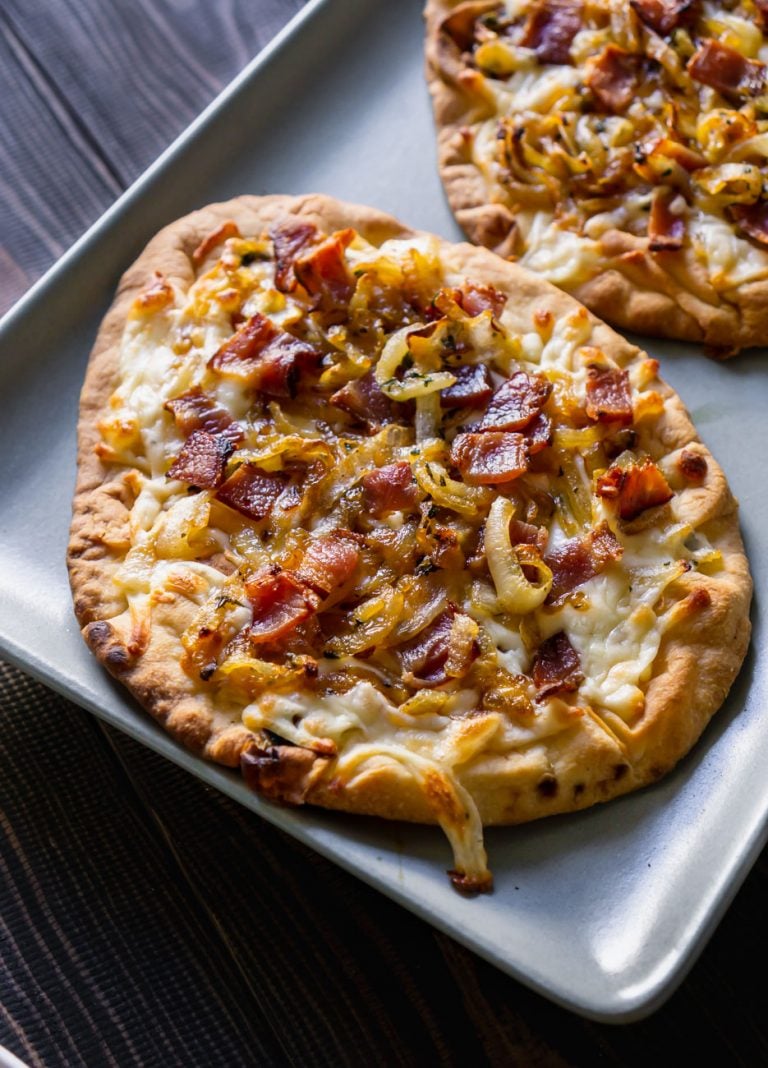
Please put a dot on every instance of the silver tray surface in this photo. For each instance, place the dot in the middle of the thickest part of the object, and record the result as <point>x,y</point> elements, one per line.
<point>603,912</point>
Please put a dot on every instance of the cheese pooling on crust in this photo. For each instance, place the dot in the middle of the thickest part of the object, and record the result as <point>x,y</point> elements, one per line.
<point>393,537</point>
<point>621,134</point>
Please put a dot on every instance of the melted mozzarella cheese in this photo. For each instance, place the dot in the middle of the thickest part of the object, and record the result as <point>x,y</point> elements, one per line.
<point>731,260</point>
<point>559,254</point>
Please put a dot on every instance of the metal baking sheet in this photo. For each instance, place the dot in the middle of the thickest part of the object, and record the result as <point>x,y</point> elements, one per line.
<point>603,911</point>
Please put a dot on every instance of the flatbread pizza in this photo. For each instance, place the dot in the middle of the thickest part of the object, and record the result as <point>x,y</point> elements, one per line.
<point>396,526</point>
<point>618,148</point>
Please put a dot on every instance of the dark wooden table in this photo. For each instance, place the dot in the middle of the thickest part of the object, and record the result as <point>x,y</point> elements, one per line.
<point>147,920</point>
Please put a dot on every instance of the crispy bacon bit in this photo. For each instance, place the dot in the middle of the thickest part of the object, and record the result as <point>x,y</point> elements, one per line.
<point>550,28</point>
<point>363,400</point>
<point>636,487</point>
<point>214,238</point>
<point>762,13</point>
<point>666,229</point>
<point>490,458</point>
<point>538,434</point>
<point>727,70</point>
<point>323,271</point>
<point>280,602</point>
<point>473,387</point>
<point>527,534</point>
<point>576,561</point>
<point>693,466</point>
<point>752,219</point>
<point>202,460</point>
<point>195,410</point>
<point>290,236</point>
<point>516,402</point>
<point>663,16</point>
<point>391,488</point>
<point>266,358</point>
<point>556,667</point>
<point>328,562</point>
<point>251,491</point>
<point>608,395</point>
<point>442,651</point>
<point>280,772</point>
<point>475,299</point>
<point>614,76</point>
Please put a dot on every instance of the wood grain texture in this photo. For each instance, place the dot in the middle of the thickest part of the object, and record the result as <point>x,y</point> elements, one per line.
<point>146,919</point>
<point>91,92</point>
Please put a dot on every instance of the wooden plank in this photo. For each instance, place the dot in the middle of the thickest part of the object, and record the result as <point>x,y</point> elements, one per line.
<point>90,94</point>
<point>107,956</point>
<point>39,159</point>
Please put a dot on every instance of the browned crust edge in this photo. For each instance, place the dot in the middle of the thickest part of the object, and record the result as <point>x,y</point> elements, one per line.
<point>665,294</point>
<point>698,660</point>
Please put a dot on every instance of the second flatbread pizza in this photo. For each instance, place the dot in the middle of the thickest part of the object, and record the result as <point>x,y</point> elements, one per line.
<point>616,148</point>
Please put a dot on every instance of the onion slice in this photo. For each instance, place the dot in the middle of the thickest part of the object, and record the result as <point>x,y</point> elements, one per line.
<point>515,592</point>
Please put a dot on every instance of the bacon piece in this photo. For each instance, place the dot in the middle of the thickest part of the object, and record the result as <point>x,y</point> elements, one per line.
<point>663,16</point>
<point>324,273</point>
<point>328,562</point>
<point>202,460</point>
<point>516,402</point>
<point>363,399</point>
<point>576,561</point>
<point>550,28</point>
<point>290,236</point>
<point>727,70</point>
<point>280,601</point>
<point>281,772</point>
<point>442,651</point>
<point>666,229</point>
<point>527,534</point>
<point>391,488</point>
<point>251,491</point>
<point>752,219</point>
<point>473,387</point>
<point>475,299</point>
<point>538,434</point>
<point>762,13</point>
<point>609,399</point>
<point>264,357</point>
<point>556,667</point>
<point>214,238</point>
<point>613,77</point>
<point>490,458</point>
<point>195,410</point>
<point>636,487</point>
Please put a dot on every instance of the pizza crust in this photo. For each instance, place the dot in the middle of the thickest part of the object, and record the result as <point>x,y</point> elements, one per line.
<point>699,658</point>
<point>663,294</point>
